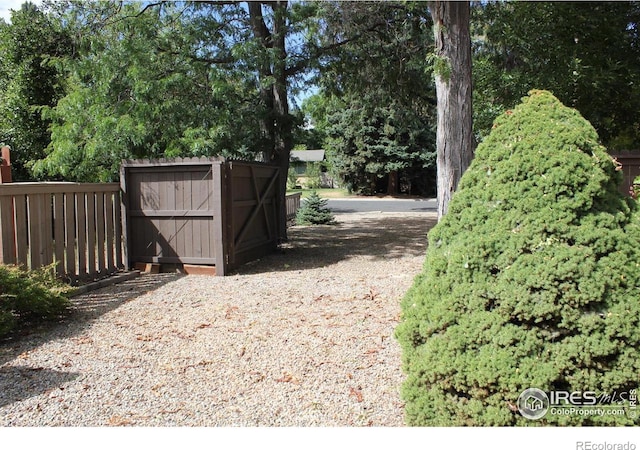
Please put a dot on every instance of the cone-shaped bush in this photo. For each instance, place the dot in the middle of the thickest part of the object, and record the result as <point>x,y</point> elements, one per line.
<point>531,280</point>
<point>314,211</point>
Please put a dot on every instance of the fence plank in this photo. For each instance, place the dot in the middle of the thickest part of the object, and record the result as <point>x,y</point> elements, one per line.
<point>100,226</point>
<point>170,226</point>
<point>180,196</point>
<point>109,199</point>
<point>70,233</point>
<point>7,231</point>
<point>219,172</point>
<point>34,211</point>
<point>122,223</point>
<point>120,236</point>
<point>293,204</point>
<point>81,223</point>
<point>22,222</point>
<point>91,234</point>
<point>46,229</point>
<point>58,232</point>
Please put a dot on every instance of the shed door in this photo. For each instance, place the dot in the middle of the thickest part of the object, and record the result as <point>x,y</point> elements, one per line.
<point>171,214</point>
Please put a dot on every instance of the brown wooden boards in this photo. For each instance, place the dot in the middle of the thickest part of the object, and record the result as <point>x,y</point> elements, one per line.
<point>202,211</point>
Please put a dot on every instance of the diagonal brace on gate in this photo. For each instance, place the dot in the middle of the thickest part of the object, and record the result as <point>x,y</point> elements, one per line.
<point>259,206</point>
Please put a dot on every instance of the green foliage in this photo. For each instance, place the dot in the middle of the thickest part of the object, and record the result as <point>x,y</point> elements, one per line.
<point>292,178</point>
<point>30,296</point>
<point>441,66</point>
<point>634,189</point>
<point>314,211</point>
<point>313,174</point>
<point>585,53</point>
<point>88,83</point>
<point>144,87</point>
<point>376,106</point>
<point>385,53</point>
<point>530,280</point>
<point>369,139</point>
<point>30,82</point>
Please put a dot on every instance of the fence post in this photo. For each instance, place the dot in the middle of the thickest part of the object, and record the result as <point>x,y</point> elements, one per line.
<point>7,220</point>
<point>5,165</point>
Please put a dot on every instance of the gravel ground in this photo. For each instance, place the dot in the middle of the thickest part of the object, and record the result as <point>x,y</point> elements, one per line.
<point>303,337</point>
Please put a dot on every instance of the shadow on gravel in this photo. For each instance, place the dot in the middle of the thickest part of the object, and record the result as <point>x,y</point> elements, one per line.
<point>19,383</point>
<point>384,238</point>
<point>85,309</point>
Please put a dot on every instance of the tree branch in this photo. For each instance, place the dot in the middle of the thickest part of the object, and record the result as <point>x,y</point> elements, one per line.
<point>260,29</point>
<point>140,13</point>
<point>226,59</point>
<point>317,52</point>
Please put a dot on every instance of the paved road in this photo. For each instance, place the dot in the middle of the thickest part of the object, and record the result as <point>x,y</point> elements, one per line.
<point>347,205</point>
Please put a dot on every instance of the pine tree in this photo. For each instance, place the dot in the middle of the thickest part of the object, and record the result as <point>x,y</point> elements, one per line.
<point>531,280</point>
<point>314,211</point>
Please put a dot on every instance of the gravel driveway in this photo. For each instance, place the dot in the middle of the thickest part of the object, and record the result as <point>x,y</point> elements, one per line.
<point>303,337</point>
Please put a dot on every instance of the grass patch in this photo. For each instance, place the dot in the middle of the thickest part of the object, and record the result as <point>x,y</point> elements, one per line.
<point>324,193</point>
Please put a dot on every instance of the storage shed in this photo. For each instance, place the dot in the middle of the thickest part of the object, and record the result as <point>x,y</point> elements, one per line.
<point>205,211</point>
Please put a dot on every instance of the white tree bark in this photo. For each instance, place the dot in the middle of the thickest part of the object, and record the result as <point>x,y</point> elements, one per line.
<point>455,142</point>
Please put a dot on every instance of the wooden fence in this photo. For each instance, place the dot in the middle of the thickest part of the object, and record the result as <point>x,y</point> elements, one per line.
<point>75,226</point>
<point>293,205</point>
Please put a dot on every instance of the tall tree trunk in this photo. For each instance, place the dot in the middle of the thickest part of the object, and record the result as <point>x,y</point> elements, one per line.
<point>392,183</point>
<point>263,35</point>
<point>277,125</point>
<point>284,123</point>
<point>454,141</point>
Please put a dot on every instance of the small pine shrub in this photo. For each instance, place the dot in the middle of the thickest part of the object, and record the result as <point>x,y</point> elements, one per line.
<point>314,211</point>
<point>531,280</point>
<point>29,297</point>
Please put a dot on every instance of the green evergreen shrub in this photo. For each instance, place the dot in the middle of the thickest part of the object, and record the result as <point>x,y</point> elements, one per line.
<point>314,211</point>
<point>29,297</point>
<point>531,279</point>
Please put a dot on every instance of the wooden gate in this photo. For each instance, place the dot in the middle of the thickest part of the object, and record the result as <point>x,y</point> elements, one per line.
<point>252,210</point>
<point>205,211</point>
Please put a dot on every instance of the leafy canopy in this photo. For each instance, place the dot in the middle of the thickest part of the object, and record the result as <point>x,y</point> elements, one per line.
<point>368,140</point>
<point>30,48</point>
<point>585,53</point>
<point>146,86</point>
<point>376,105</point>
